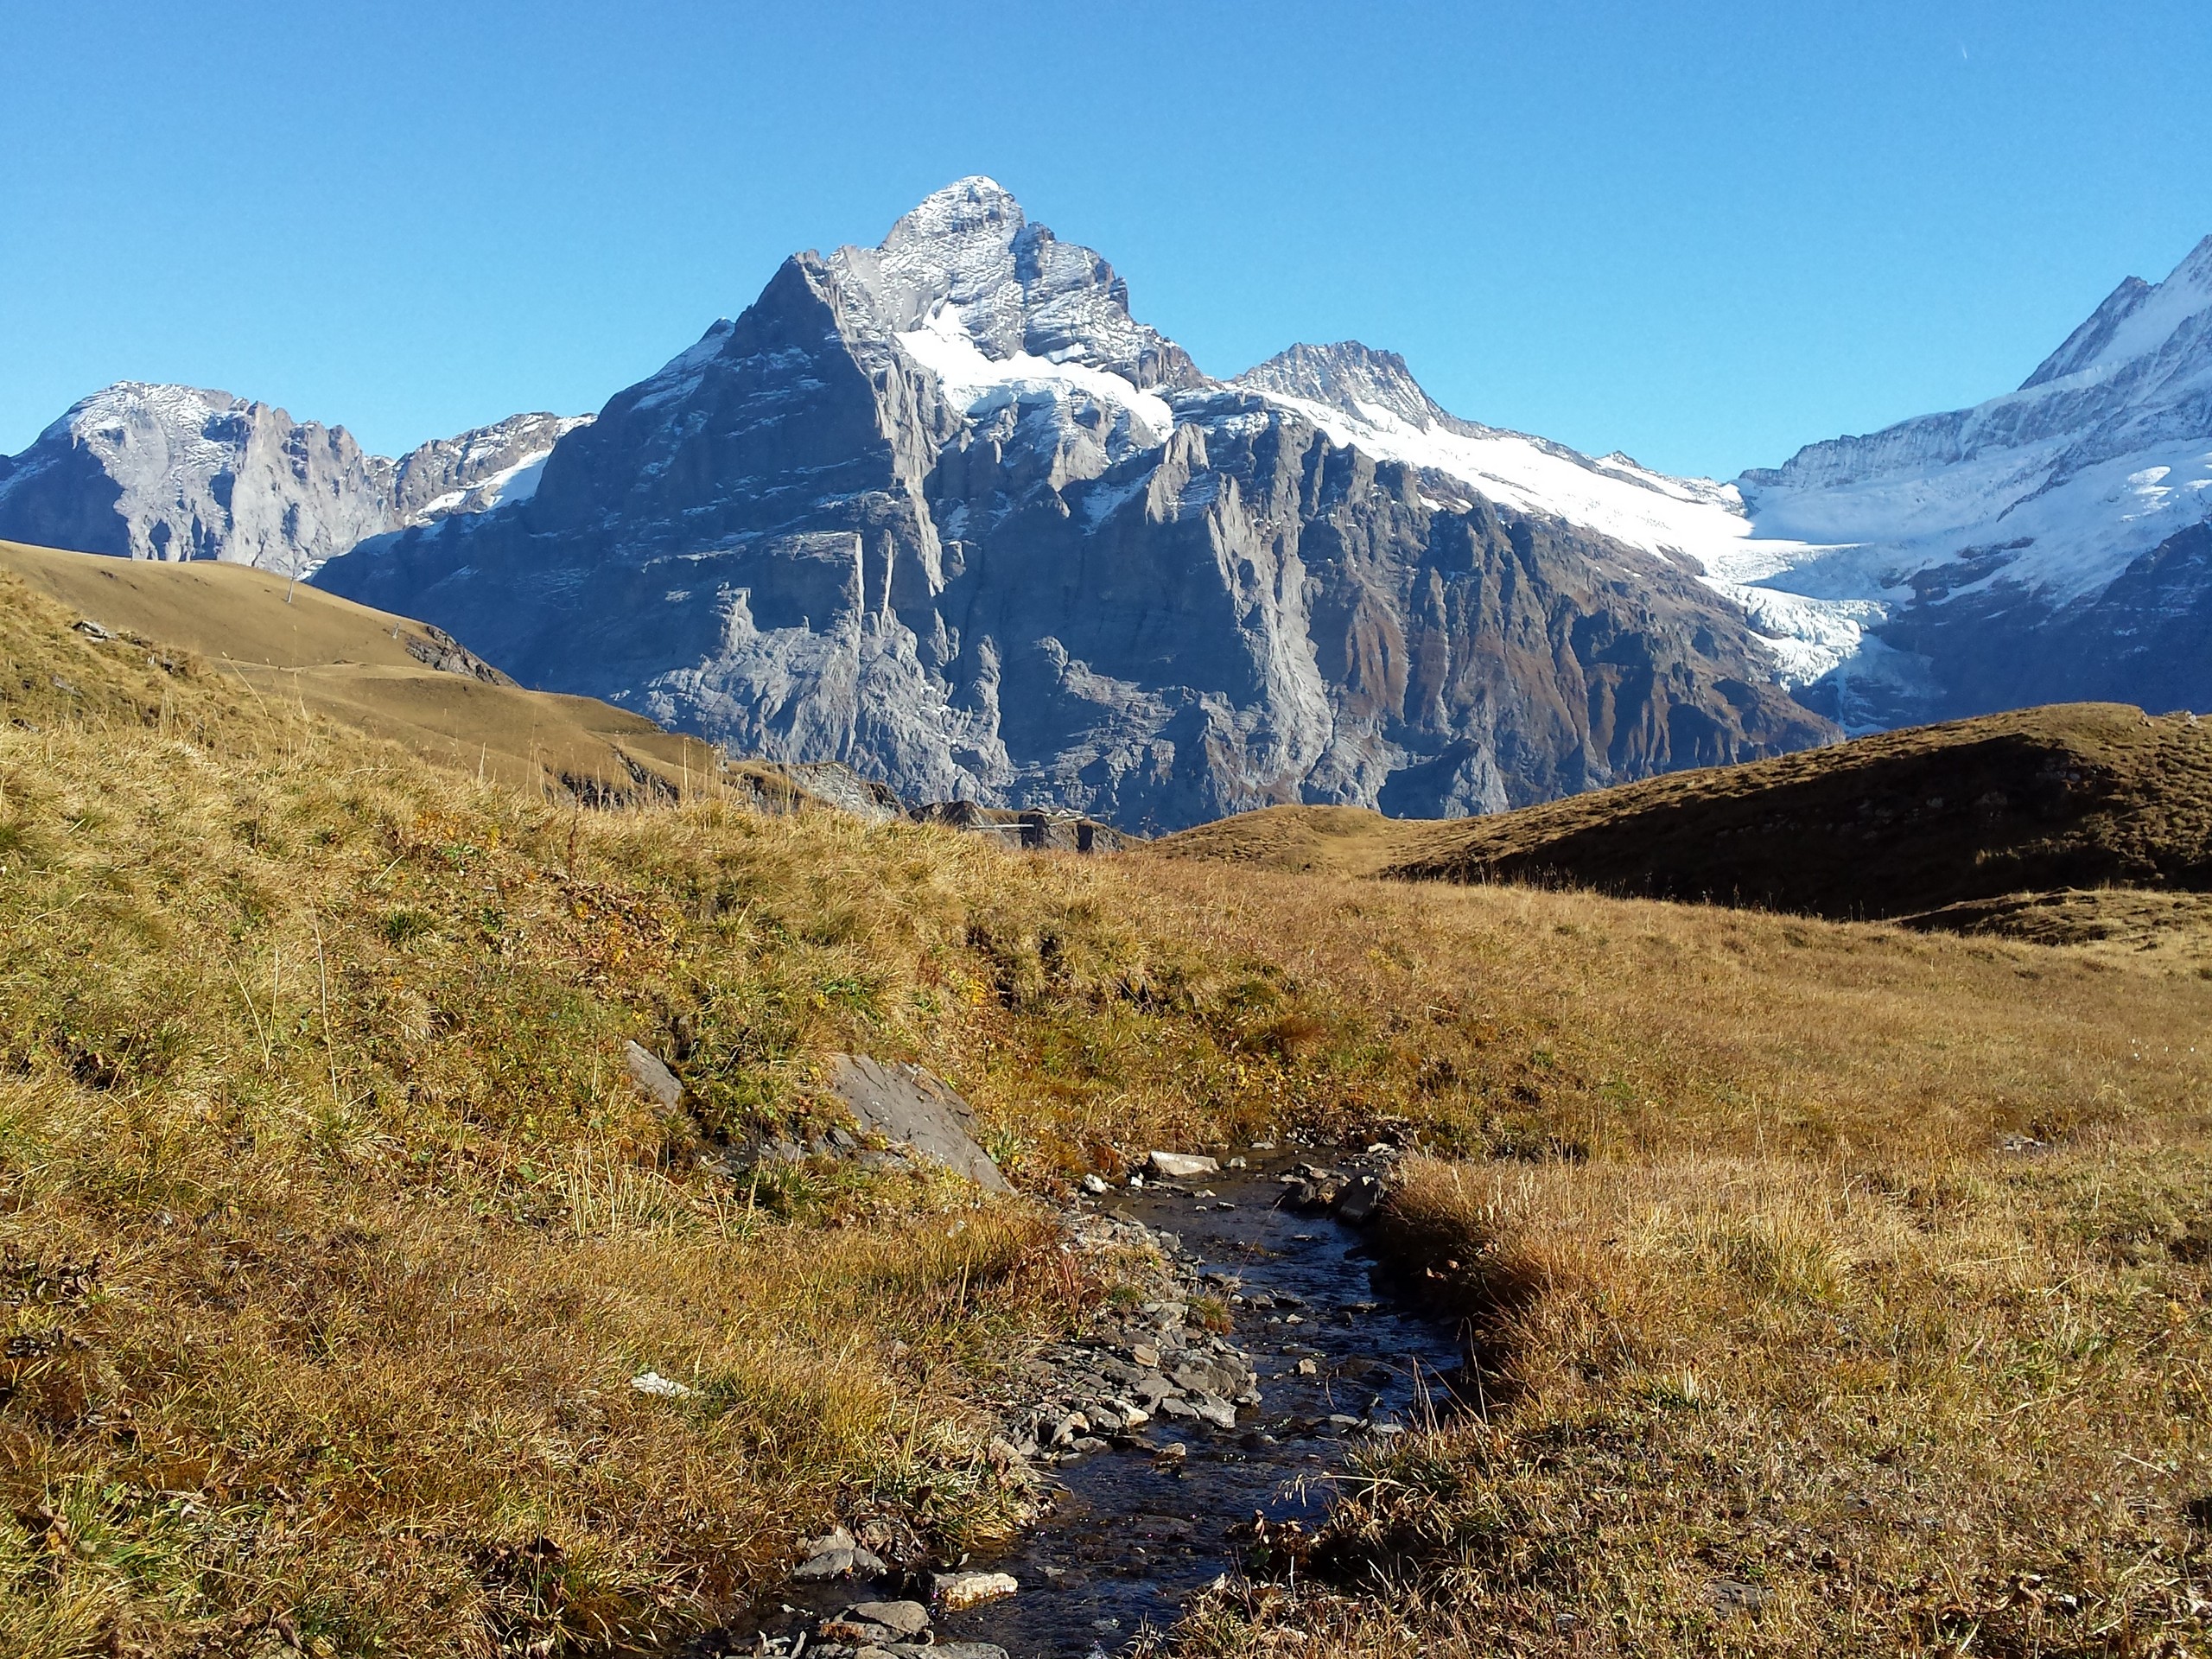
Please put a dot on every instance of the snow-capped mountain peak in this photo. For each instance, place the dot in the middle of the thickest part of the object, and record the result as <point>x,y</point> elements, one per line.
<point>1355,380</point>
<point>970,255</point>
<point>2049,491</point>
<point>2136,319</point>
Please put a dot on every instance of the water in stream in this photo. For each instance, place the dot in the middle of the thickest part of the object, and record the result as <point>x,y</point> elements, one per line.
<point>1135,1533</point>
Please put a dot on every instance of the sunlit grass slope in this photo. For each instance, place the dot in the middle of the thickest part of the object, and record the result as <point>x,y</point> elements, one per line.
<point>333,1233</point>
<point>296,645</point>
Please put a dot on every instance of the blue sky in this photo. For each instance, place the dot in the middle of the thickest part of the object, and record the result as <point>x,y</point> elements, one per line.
<point>1703,234</point>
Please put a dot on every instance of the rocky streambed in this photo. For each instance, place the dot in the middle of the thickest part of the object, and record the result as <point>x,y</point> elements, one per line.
<point>1262,1352</point>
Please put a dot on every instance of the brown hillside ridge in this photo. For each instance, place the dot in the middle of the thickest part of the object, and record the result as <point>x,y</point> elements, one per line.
<point>389,676</point>
<point>1935,823</point>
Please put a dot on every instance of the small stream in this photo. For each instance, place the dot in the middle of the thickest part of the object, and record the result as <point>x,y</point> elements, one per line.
<point>1135,1533</point>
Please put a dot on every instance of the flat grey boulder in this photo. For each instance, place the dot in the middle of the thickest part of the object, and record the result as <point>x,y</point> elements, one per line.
<point>907,1106</point>
<point>652,1078</point>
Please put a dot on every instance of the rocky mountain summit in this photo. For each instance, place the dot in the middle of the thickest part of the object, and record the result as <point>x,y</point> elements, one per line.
<point>164,472</point>
<point>943,509</point>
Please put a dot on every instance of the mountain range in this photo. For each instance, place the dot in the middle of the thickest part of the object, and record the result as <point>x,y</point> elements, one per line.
<point>943,509</point>
<point>162,472</point>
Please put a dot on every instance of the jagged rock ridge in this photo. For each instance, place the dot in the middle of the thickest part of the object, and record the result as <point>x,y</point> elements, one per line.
<point>943,510</point>
<point>165,472</point>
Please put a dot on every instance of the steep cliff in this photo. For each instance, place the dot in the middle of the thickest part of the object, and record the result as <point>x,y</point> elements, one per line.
<point>943,509</point>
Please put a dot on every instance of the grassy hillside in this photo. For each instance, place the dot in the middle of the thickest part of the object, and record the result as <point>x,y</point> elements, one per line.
<point>1859,1267</point>
<point>297,645</point>
<point>2079,796</point>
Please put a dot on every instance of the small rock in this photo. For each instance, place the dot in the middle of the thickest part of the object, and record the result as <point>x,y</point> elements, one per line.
<point>1214,1409</point>
<point>1359,1200</point>
<point>1095,1185</point>
<point>906,1105</point>
<point>1181,1165</point>
<point>900,1617</point>
<point>1731,1596</point>
<point>654,1079</point>
<point>93,630</point>
<point>956,1590</point>
<point>1308,1368</point>
<point>821,1567</point>
<point>661,1387</point>
<point>1145,1354</point>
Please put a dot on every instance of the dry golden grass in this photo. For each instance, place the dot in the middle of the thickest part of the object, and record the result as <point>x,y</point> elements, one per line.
<point>1787,1351</point>
<point>333,1233</point>
<point>1913,823</point>
<point>1759,1405</point>
<point>1304,840</point>
<point>298,646</point>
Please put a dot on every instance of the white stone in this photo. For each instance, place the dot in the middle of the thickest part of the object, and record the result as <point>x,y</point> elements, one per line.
<point>1181,1165</point>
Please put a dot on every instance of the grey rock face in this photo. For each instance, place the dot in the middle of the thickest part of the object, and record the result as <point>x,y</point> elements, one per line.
<point>477,471</point>
<point>151,472</point>
<point>942,510</point>
<point>162,472</point>
<point>905,1104</point>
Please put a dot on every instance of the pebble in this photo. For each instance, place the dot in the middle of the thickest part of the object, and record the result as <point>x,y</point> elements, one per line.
<point>837,1554</point>
<point>956,1590</point>
<point>1181,1165</point>
<point>899,1618</point>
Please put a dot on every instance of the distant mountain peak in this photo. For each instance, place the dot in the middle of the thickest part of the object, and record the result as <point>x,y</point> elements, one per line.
<point>152,470</point>
<point>2137,318</point>
<point>966,259</point>
<point>1354,380</point>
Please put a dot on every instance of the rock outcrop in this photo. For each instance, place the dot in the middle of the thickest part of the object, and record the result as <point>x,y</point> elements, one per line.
<point>942,510</point>
<point>162,472</point>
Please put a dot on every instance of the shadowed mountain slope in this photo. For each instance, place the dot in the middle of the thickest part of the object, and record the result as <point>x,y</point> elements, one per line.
<point>1905,823</point>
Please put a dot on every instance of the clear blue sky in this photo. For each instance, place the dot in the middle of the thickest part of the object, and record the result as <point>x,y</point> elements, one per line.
<point>1703,233</point>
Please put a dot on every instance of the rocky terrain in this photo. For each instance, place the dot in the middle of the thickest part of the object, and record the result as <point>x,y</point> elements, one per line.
<point>943,510</point>
<point>161,471</point>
